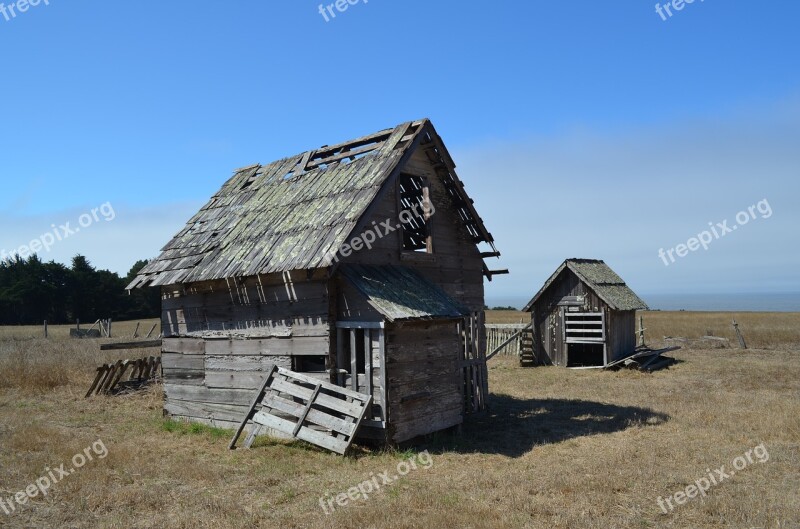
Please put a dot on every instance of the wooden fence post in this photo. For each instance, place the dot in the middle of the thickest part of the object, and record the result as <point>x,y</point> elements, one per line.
<point>742,344</point>
<point>641,330</point>
<point>45,328</point>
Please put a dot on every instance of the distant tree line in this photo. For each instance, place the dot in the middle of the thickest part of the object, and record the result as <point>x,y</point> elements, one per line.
<point>32,291</point>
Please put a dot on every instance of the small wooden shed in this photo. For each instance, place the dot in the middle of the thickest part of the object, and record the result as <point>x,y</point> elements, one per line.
<point>584,316</point>
<point>357,263</point>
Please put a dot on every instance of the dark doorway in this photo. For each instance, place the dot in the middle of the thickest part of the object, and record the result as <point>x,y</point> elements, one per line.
<point>585,354</point>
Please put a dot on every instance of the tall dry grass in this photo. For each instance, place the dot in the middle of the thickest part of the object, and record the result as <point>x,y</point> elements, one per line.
<point>32,363</point>
<point>558,449</point>
<point>119,330</point>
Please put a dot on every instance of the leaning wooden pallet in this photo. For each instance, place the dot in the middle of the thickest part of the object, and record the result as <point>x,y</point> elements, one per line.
<point>305,408</point>
<point>109,378</point>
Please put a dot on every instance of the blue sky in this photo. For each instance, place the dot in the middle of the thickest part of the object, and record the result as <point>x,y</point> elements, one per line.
<point>581,129</point>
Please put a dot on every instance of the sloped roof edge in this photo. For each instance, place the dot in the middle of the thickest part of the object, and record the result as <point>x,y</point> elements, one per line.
<point>601,279</point>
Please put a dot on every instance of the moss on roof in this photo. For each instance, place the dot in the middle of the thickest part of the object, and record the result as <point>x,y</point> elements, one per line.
<point>292,214</point>
<point>599,277</point>
<point>400,293</point>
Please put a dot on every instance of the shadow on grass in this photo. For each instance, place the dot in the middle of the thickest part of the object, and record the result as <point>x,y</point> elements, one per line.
<point>512,426</point>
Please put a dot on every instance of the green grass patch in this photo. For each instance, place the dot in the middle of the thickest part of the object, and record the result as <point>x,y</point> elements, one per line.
<point>194,428</point>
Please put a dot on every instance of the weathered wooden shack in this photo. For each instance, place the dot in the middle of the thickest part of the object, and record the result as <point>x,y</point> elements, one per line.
<point>583,316</point>
<point>357,263</point>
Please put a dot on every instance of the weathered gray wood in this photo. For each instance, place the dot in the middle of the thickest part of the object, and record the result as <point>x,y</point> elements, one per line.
<point>353,360</point>
<point>368,362</point>
<point>304,415</point>
<point>383,387</point>
<point>130,345</point>
<point>297,346</point>
<point>118,376</point>
<point>100,372</point>
<point>340,370</point>
<point>182,361</point>
<point>275,402</point>
<point>183,345</point>
<point>251,437</point>
<point>739,336</point>
<point>192,393</point>
<point>111,376</point>
<point>289,383</point>
<point>359,325</point>
<point>206,410</point>
<point>332,403</point>
<point>249,415</point>
<point>304,433</point>
<point>244,362</point>
<point>234,379</point>
<point>507,341</point>
<point>424,357</point>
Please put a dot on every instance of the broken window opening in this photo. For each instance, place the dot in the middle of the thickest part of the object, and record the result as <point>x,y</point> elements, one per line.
<point>415,213</point>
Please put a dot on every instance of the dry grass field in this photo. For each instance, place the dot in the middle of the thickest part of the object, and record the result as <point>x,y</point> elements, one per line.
<point>558,448</point>
<point>765,330</point>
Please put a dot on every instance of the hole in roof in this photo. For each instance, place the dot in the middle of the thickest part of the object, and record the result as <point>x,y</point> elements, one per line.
<point>358,156</point>
<point>249,181</point>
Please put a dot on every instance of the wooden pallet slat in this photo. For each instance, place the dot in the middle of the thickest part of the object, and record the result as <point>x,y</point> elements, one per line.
<point>111,377</point>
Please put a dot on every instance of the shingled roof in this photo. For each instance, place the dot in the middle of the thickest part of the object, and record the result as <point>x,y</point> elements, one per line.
<point>599,277</point>
<point>293,214</point>
<point>400,293</point>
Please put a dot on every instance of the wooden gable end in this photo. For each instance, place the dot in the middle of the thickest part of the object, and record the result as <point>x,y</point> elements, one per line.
<point>454,262</point>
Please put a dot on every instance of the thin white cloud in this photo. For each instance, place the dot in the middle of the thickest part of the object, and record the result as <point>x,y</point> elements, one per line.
<point>621,196</point>
<point>132,233</point>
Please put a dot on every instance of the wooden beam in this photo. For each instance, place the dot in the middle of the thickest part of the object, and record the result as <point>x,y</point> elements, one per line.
<point>353,361</point>
<point>302,417</point>
<point>341,156</point>
<point>359,325</point>
<point>251,410</point>
<point>130,345</point>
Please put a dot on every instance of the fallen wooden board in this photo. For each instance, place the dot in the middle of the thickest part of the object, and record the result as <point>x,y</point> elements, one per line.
<point>303,407</point>
<point>663,361</point>
<point>130,345</point>
<point>643,353</point>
